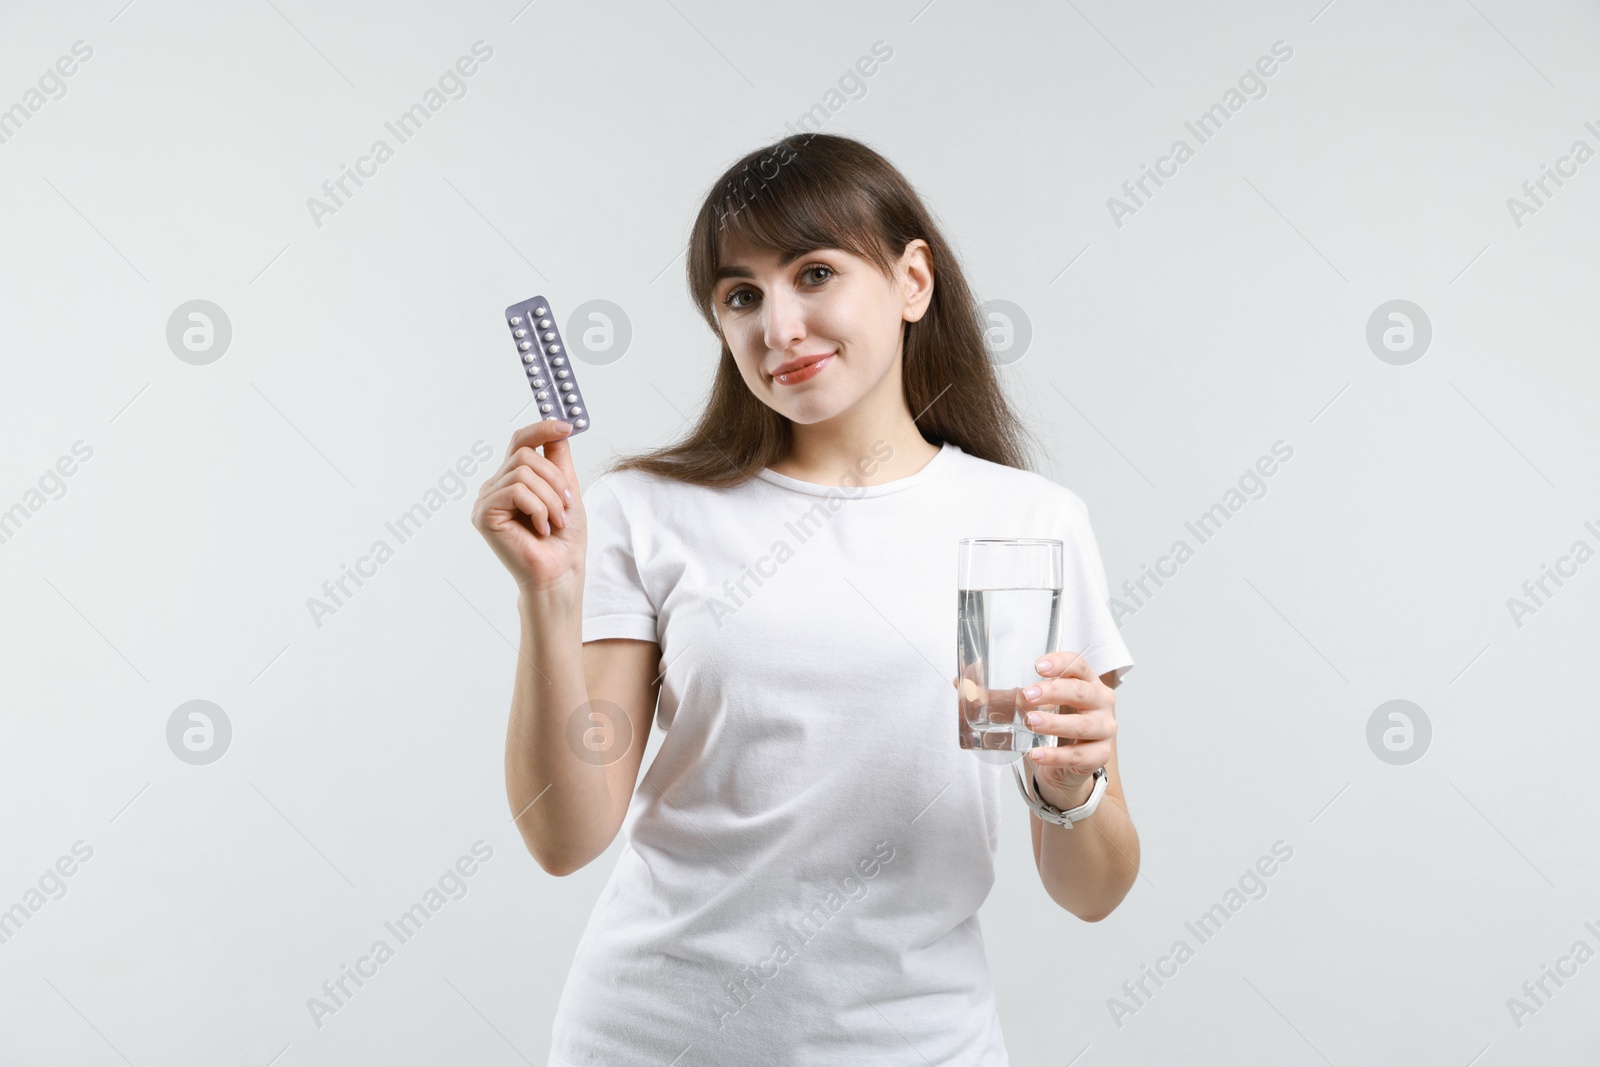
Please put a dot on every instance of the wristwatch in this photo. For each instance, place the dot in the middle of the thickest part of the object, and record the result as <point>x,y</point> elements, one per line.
<point>1048,811</point>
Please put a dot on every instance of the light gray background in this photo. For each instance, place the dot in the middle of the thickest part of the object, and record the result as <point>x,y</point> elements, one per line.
<point>1166,356</point>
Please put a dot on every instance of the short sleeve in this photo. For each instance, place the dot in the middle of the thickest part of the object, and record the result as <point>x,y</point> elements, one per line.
<point>614,600</point>
<point>1087,625</point>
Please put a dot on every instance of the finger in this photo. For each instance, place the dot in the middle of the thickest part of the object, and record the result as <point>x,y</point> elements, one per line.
<point>968,685</point>
<point>1074,759</point>
<point>559,453</point>
<point>525,456</point>
<point>541,488</point>
<point>533,470</point>
<point>528,501</point>
<point>1090,726</point>
<point>561,479</point>
<point>536,434</point>
<point>1067,693</point>
<point>1066,664</point>
<point>517,500</point>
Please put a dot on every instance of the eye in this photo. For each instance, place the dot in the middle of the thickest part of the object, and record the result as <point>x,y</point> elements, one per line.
<point>729,301</point>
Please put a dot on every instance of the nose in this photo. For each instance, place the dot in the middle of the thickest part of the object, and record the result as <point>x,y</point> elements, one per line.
<point>783,321</point>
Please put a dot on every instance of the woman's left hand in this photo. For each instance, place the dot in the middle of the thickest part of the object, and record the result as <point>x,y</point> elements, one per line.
<point>1085,725</point>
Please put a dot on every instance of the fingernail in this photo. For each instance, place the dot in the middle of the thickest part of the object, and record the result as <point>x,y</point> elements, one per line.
<point>568,494</point>
<point>1034,718</point>
<point>564,427</point>
<point>1036,754</point>
<point>1032,692</point>
<point>1042,666</point>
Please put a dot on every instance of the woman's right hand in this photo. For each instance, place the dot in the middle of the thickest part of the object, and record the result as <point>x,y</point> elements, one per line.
<point>531,510</point>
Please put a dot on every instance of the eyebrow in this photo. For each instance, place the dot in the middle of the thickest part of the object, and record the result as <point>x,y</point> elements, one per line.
<point>745,272</point>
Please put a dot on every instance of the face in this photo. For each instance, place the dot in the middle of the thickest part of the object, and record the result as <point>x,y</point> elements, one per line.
<point>829,308</point>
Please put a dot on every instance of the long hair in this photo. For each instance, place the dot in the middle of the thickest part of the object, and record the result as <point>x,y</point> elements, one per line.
<point>819,190</point>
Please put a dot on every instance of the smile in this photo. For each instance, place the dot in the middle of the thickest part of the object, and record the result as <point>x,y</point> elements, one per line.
<point>806,373</point>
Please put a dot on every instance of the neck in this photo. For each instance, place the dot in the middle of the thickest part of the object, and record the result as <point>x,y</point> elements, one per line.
<point>874,441</point>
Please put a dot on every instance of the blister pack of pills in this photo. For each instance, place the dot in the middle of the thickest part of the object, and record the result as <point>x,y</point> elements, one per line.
<point>544,358</point>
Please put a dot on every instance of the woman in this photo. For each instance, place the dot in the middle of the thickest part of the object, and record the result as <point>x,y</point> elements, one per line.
<point>805,857</point>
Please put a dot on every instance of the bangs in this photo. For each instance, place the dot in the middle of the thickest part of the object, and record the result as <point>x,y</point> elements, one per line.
<point>798,209</point>
<point>800,194</point>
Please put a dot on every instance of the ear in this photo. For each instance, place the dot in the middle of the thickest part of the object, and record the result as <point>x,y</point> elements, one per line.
<point>916,279</point>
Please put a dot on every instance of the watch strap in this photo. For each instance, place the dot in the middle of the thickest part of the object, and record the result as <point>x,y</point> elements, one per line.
<point>1049,812</point>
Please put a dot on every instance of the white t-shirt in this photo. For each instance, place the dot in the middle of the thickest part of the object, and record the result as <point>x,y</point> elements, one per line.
<point>804,858</point>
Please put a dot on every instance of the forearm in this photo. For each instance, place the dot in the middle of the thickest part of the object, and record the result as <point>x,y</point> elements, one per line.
<point>1089,868</point>
<point>562,804</point>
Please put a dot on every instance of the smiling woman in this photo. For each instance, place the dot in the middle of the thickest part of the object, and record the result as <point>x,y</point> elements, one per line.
<point>801,721</point>
<point>832,251</point>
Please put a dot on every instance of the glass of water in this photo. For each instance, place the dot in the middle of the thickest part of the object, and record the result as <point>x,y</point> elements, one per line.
<point>1008,614</point>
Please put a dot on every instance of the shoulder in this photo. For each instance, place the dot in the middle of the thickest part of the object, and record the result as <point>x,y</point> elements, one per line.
<point>1020,485</point>
<point>642,495</point>
<point>630,487</point>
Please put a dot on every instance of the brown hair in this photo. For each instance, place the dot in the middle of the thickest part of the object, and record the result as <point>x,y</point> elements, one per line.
<point>821,190</point>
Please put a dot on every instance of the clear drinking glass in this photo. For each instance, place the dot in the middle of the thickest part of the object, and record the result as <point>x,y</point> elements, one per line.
<point>1008,614</point>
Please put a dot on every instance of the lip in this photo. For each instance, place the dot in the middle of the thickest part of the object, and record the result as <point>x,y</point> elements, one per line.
<point>798,370</point>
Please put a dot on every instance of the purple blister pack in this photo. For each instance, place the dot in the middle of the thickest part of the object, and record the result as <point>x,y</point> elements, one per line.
<point>544,359</point>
